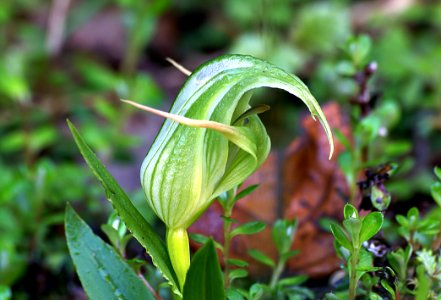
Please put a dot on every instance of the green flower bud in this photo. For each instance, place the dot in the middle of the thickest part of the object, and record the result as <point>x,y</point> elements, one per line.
<point>211,141</point>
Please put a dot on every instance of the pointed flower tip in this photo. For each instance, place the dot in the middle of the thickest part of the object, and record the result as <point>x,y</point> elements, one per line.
<point>178,66</point>
<point>331,150</point>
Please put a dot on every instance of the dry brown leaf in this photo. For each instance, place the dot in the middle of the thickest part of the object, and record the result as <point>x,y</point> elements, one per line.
<point>300,183</point>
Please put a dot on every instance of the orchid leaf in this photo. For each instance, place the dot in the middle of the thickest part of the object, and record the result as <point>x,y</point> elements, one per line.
<point>135,222</point>
<point>103,273</point>
<point>204,278</point>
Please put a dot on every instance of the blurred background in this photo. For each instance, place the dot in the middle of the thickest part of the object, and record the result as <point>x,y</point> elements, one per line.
<point>75,59</point>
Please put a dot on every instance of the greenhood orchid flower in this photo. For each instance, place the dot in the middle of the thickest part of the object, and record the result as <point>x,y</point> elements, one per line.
<point>210,142</point>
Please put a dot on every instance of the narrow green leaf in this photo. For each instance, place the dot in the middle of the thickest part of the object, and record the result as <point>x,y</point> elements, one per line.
<point>343,139</point>
<point>289,254</point>
<point>135,222</point>
<point>238,262</point>
<point>371,224</point>
<point>261,257</point>
<point>388,288</point>
<point>237,273</point>
<point>248,228</point>
<point>245,192</point>
<point>295,280</point>
<point>402,220</point>
<point>204,278</point>
<point>341,236</point>
<point>103,273</point>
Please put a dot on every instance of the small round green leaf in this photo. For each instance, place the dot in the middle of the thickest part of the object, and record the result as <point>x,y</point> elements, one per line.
<point>350,211</point>
<point>371,224</point>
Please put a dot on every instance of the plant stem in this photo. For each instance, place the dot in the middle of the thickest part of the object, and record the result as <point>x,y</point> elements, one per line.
<point>276,273</point>
<point>227,244</point>
<point>179,249</point>
<point>228,206</point>
<point>149,287</point>
<point>353,274</point>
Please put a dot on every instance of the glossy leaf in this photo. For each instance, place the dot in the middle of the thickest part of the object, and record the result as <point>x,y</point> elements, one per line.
<point>353,227</point>
<point>341,236</point>
<point>248,228</point>
<point>283,233</point>
<point>134,221</point>
<point>245,192</point>
<point>371,224</point>
<point>204,278</point>
<point>103,273</point>
<point>350,211</point>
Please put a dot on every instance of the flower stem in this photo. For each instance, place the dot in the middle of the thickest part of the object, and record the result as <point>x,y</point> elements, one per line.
<point>227,245</point>
<point>179,251</point>
<point>228,212</point>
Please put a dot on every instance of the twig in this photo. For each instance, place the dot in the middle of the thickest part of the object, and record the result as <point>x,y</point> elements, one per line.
<point>149,287</point>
